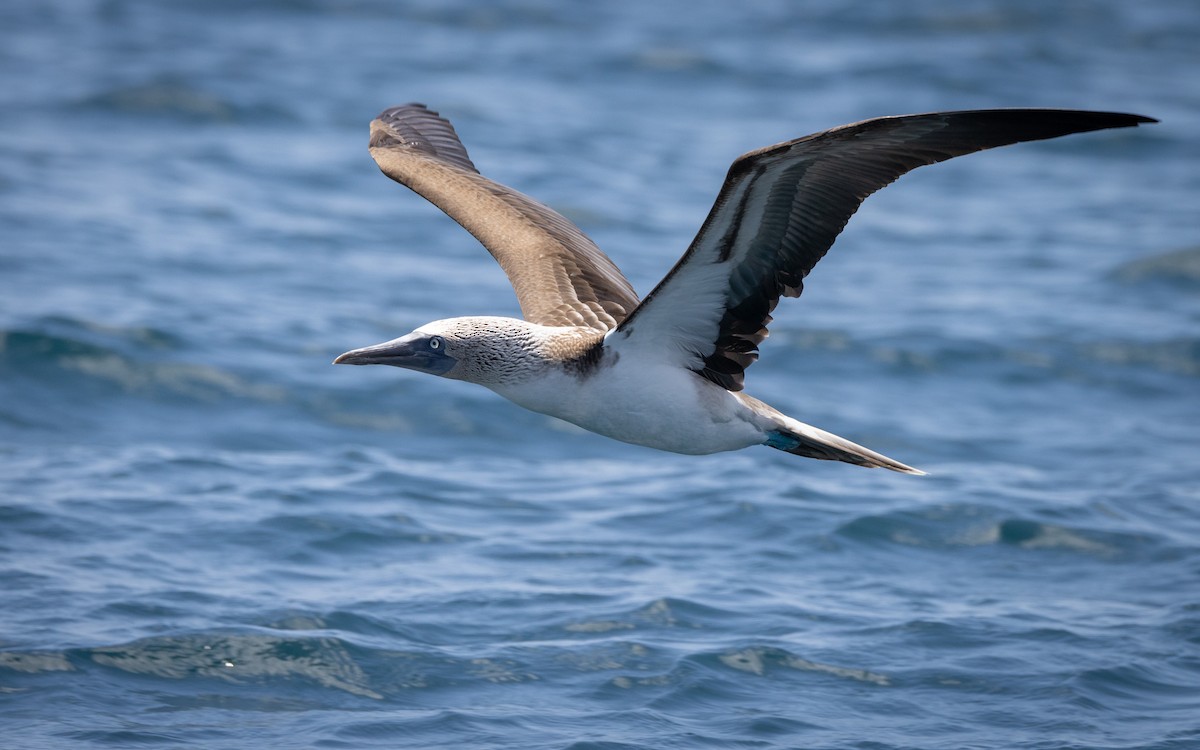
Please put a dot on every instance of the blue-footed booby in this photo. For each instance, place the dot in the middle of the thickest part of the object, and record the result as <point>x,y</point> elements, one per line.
<point>667,371</point>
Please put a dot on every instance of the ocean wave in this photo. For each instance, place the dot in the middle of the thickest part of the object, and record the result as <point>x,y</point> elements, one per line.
<point>969,525</point>
<point>342,535</point>
<point>757,660</point>
<point>1169,685</point>
<point>53,338</point>
<point>1180,267</point>
<point>1024,359</point>
<point>163,97</point>
<point>59,353</point>
<point>1177,356</point>
<point>323,661</point>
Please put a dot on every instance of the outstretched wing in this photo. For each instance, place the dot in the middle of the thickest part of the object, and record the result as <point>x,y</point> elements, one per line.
<point>561,278</point>
<point>780,210</point>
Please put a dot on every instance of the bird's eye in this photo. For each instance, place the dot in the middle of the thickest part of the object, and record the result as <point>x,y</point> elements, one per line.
<point>435,342</point>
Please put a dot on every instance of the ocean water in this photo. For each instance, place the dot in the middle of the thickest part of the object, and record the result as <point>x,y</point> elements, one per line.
<point>211,538</point>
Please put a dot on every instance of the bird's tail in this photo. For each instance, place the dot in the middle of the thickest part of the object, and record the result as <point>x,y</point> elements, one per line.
<point>793,436</point>
<point>805,440</point>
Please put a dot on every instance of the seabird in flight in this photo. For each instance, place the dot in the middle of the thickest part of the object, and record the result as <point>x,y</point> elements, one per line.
<point>667,371</point>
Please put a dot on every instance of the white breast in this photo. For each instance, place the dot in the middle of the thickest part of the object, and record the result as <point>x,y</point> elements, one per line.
<point>657,405</point>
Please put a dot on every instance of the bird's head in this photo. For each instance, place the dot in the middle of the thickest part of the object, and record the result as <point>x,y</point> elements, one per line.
<point>482,350</point>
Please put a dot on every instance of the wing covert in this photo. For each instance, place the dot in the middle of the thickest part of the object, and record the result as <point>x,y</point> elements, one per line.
<point>559,275</point>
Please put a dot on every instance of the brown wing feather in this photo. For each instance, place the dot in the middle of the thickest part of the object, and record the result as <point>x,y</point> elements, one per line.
<point>560,277</point>
<point>781,208</point>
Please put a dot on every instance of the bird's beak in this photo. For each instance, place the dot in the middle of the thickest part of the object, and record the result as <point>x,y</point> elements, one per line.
<point>411,352</point>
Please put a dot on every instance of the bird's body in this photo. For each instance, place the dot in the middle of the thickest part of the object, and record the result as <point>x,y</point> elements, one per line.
<point>573,374</point>
<point>652,404</point>
<point>666,371</point>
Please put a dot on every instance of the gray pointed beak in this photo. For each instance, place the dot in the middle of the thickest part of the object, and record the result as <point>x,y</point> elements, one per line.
<point>411,352</point>
<point>389,352</point>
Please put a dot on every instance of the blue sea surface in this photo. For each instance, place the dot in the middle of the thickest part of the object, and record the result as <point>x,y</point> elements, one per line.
<point>211,538</point>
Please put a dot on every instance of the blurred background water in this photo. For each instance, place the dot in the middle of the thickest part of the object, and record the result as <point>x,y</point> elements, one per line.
<point>209,537</point>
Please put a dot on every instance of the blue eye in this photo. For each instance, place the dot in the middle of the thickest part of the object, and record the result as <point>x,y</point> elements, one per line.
<point>435,342</point>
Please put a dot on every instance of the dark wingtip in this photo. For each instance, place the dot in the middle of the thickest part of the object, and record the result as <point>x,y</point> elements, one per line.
<point>1127,119</point>
<point>1103,120</point>
<point>392,111</point>
<point>415,126</point>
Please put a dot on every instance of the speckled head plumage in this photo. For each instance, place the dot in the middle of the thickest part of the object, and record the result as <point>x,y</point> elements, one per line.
<point>486,350</point>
